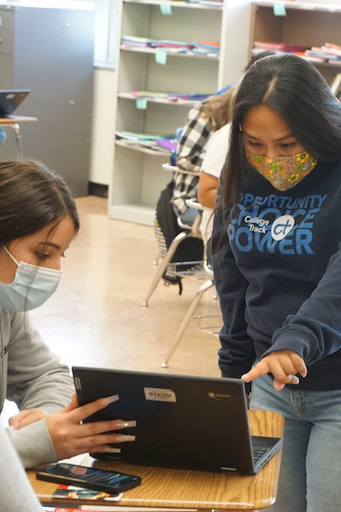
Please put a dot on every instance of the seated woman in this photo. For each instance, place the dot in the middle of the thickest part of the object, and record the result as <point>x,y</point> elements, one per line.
<point>38,221</point>
<point>203,120</point>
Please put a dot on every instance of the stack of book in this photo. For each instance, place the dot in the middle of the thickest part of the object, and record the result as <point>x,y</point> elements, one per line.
<point>206,47</point>
<point>198,47</point>
<point>141,93</point>
<point>262,46</point>
<point>143,42</point>
<point>161,143</point>
<point>327,52</point>
<point>136,42</point>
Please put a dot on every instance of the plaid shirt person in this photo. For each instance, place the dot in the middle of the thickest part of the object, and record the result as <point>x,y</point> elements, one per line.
<point>190,153</point>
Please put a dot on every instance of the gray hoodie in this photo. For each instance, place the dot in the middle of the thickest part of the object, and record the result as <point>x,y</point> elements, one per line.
<point>33,377</point>
<point>15,489</point>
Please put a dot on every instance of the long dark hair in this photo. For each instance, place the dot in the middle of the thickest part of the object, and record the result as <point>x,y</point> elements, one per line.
<point>299,94</point>
<point>31,197</point>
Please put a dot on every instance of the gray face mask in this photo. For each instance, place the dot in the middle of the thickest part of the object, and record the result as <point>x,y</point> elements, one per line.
<point>31,287</point>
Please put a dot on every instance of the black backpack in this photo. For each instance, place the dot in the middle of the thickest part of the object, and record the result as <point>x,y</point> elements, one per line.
<point>166,228</point>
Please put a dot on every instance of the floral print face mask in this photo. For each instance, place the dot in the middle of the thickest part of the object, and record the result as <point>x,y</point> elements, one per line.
<point>283,172</point>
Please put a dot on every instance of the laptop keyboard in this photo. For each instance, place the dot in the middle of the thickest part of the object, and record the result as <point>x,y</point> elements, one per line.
<point>258,453</point>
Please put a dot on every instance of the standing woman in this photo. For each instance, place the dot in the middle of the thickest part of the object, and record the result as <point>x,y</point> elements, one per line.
<point>38,221</point>
<point>277,268</point>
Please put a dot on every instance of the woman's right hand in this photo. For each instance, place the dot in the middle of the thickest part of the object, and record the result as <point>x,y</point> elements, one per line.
<point>71,437</point>
<point>284,366</point>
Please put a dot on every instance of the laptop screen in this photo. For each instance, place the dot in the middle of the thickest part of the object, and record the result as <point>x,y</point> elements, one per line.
<point>10,100</point>
<point>181,421</point>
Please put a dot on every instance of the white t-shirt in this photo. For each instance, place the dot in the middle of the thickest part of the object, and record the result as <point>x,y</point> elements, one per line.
<point>213,163</point>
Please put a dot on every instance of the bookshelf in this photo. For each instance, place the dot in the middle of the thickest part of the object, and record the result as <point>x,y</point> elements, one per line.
<point>138,178</point>
<point>299,23</point>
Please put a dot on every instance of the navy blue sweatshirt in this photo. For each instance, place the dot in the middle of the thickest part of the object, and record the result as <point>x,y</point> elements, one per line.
<point>277,270</point>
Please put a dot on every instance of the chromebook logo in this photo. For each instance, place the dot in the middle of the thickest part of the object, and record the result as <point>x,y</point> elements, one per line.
<point>218,396</point>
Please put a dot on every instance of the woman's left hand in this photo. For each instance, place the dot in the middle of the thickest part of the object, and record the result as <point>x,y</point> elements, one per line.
<point>284,366</point>
<point>24,418</point>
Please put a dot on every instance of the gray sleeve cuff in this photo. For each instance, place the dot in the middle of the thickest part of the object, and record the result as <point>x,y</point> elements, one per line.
<point>16,492</point>
<point>33,444</point>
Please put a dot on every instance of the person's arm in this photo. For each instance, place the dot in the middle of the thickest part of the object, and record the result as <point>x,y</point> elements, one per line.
<point>207,190</point>
<point>64,434</point>
<point>36,377</point>
<point>310,335</point>
<point>38,380</point>
<point>33,444</point>
<point>237,353</point>
<point>212,166</point>
<point>38,383</point>
<point>15,490</point>
<point>314,332</point>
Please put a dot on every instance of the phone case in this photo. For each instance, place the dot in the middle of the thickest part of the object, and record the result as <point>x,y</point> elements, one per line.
<point>112,482</point>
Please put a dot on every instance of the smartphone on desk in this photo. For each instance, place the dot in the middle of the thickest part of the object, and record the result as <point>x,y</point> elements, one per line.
<point>111,482</point>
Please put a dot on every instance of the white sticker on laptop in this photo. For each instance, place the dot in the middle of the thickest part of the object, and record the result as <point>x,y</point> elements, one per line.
<point>78,384</point>
<point>159,395</point>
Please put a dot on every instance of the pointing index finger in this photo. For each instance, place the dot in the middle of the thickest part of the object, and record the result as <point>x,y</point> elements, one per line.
<point>260,369</point>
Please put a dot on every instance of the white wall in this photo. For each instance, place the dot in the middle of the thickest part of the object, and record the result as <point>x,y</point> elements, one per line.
<point>103,133</point>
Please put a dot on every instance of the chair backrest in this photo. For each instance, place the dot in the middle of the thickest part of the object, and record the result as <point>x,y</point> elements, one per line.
<point>167,227</point>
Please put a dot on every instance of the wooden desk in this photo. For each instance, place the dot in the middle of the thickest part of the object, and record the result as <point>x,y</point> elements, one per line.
<point>175,488</point>
<point>13,122</point>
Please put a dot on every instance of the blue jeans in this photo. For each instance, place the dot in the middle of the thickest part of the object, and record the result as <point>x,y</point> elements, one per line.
<point>310,473</point>
<point>189,216</point>
<point>2,135</point>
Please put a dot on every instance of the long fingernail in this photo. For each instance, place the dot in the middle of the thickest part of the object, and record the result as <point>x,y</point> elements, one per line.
<point>125,424</point>
<point>109,449</point>
<point>110,399</point>
<point>122,438</point>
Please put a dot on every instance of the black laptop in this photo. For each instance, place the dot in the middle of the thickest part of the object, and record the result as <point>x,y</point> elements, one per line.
<point>182,422</point>
<point>10,100</point>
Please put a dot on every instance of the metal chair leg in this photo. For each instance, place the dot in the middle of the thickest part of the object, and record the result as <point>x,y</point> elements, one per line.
<point>156,261</point>
<point>194,304</point>
<point>172,248</point>
<point>16,128</point>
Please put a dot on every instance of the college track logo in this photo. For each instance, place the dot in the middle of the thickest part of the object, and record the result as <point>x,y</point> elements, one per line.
<point>274,223</point>
<point>282,227</point>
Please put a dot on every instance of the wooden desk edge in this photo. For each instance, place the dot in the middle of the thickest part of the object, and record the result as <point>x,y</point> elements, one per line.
<point>17,119</point>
